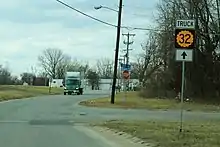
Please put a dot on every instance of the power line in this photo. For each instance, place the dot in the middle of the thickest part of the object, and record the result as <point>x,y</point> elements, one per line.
<point>125,27</point>
<point>101,21</point>
<point>85,14</point>
<point>141,15</point>
<point>135,6</point>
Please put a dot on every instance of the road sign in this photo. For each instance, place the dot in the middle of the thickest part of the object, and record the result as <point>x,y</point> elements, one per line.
<point>125,67</point>
<point>185,38</point>
<point>126,74</point>
<point>185,24</point>
<point>184,55</point>
<point>184,43</point>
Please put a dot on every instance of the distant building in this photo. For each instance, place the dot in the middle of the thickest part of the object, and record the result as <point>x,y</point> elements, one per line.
<point>25,84</point>
<point>56,83</point>
<point>41,81</point>
<point>106,84</point>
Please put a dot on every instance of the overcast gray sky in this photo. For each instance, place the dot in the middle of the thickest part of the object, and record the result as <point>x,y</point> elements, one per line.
<point>29,26</point>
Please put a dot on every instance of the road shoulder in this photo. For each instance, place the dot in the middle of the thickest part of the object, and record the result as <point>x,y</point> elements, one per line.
<point>111,137</point>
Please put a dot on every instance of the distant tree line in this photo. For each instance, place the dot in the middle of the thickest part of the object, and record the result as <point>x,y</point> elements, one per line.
<point>55,63</point>
<point>6,78</point>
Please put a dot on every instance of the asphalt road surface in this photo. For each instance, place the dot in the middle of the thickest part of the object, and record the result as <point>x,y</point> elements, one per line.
<point>57,121</point>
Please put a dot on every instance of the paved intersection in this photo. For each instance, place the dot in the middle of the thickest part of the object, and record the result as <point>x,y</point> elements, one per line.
<point>55,121</point>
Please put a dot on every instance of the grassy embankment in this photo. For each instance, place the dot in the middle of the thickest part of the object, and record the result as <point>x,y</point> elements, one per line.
<point>18,91</point>
<point>133,100</point>
<point>162,133</point>
<point>166,134</point>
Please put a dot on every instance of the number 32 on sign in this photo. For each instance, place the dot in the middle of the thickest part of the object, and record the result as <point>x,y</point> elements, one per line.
<point>185,38</point>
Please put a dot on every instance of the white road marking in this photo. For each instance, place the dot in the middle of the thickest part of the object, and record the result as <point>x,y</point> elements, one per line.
<point>13,121</point>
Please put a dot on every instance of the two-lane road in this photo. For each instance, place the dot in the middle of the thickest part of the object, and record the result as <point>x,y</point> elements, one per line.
<point>45,122</point>
<point>55,121</point>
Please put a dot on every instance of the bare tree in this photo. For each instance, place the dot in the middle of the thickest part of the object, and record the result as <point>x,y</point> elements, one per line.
<point>33,70</point>
<point>5,75</point>
<point>70,65</point>
<point>149,61</point>
<point>50,59</point>
<point>75,65</point>
<point>42,74</point>
<point>93,79</point>
<point>202,75</point>
<point>105,68</point>
<point>28,77</point>
<point>63,66</point>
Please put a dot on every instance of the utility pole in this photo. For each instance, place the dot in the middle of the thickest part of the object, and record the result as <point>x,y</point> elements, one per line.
<point>218,13</point>
<point>120,74</point>
<point>124,59</point>
<point>116,52</point>
<point>128,43</point>
<point>122,80</point>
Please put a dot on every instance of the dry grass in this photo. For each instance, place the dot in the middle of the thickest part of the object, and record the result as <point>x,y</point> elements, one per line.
<point>166,134</point>
<point>133,100</point>
<point>18,92</point>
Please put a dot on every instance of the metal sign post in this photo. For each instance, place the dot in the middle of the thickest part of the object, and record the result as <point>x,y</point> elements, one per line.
<point>126,76</point>
<point>125,91</point>
<point>184,44</point>
<point>50,82</point>
<point>182,90</point>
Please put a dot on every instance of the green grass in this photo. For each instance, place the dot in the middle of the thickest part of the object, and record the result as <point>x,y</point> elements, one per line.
<point>134,101</point>
<point>166,134</point>
<point>17,92</point>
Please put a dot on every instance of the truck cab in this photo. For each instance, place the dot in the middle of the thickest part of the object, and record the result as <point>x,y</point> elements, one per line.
<point>73,84</point>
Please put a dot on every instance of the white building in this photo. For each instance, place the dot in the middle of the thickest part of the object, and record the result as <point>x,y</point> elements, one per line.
<point>104,84</point>
<point>56,83</point>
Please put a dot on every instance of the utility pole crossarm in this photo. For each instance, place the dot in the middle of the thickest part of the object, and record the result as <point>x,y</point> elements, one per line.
<point>128,34</point>
<point>128,42</point>
<point>126,50</point>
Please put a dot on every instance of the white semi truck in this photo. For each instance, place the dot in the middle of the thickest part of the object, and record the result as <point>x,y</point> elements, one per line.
<point>73,83</point>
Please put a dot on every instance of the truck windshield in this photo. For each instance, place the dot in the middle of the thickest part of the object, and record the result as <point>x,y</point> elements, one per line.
<point>72,82</point>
